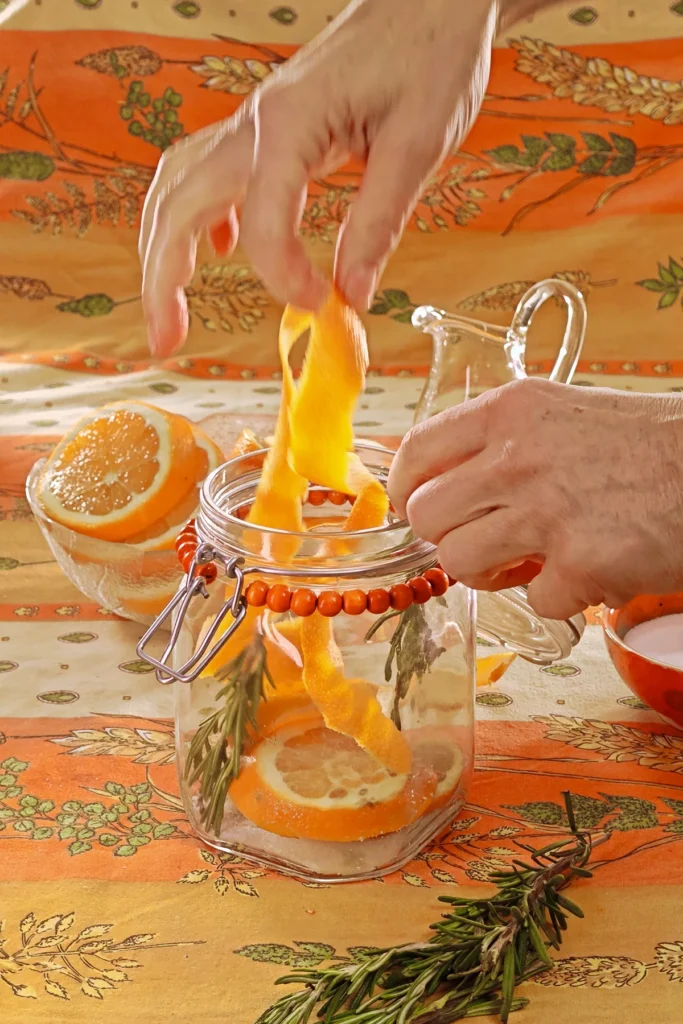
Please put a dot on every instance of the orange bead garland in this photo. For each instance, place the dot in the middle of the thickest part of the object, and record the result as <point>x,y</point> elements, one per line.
<point>279,598</point>
<point>354,602</point>
<point>303,602</point>
<point>378,601</point>
<point>257,594</point>
<point>329,603</point>
<point>186,548</point>
<point>438,581</point>
<point>421,588</point>
<point>401,597</point>
<point>316,497</point>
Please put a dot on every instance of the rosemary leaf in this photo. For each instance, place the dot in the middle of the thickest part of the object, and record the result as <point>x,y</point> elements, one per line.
<point>479,952</point>
<point>215,752</point>
<point>412,652</point>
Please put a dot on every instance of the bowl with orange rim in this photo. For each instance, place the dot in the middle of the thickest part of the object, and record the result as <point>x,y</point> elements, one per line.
<point>658,684</point>
<point>112,498</point>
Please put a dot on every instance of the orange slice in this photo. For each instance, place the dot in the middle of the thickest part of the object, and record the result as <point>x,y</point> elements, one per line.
<point>246,443</point>
<point>309,782</point>
<point>436,749</point>
<point>349,706</point>
<point>119,471</point>
<point>283,646</point>
<point>491,667</point>
<point>285,710</point>
<point>161,535</point>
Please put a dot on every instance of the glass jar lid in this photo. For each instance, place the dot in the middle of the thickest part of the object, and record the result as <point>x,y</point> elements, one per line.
<point>506,618</point>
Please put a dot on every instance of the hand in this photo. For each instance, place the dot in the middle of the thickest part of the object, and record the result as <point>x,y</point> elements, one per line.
<point>390,82</point>
<point>586,482</point>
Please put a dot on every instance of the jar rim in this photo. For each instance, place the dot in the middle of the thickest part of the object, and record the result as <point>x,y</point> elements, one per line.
<point>215,521</point>
<point>211,507</point>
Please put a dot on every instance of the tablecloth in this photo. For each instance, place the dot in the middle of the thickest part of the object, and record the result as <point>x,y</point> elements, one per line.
<point>111,910</point>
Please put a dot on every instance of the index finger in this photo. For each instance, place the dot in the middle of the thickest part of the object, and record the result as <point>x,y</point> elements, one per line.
<point>212,186</point>
<point>438,444</point>
<point>172,167</point>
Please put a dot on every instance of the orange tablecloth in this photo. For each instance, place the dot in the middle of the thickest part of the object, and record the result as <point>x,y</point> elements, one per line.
<point>111,909</point>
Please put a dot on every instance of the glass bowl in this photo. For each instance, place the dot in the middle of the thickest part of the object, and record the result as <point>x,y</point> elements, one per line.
<point>659,686</point>
<point>122,578</point>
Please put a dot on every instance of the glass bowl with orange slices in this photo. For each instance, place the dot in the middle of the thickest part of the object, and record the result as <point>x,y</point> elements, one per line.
<point>112,497</point>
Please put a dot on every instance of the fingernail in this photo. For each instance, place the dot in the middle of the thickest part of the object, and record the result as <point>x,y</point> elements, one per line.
<point>360,285</point>
<point>221,237</point>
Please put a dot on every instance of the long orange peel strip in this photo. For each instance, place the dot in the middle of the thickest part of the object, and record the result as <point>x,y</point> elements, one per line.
<point>313,442</point>
<point>314,437</point>
<point>348,706</point>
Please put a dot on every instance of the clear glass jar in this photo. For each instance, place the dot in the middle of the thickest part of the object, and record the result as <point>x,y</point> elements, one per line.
<point>333,748</point>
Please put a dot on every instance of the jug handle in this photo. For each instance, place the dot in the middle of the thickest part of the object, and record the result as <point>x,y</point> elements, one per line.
<point>574,333</point>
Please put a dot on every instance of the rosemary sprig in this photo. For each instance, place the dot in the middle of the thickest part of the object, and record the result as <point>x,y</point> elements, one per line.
<point>217,746</point>
<point>481,950</point>
<point>412,652</point>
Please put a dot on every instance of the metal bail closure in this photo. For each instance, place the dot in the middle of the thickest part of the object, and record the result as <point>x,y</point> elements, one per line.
<point>506,618</point>
<point>205,653</point>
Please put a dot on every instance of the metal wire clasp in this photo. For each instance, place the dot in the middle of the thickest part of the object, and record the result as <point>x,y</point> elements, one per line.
<point>192,586</point>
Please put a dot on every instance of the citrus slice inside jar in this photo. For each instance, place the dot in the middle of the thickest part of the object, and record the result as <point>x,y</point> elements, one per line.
<point>309,782</point>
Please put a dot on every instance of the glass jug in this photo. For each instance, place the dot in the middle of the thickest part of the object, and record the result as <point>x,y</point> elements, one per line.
<point>470,357</point>
<point>325,682</point>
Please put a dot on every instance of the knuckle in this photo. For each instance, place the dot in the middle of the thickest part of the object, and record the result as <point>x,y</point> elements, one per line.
<point>264,238</point>
<point>523,391</point>
<point>408,454</point>
<point>456,558</point>
<point>274,110</point>
<point>419,514</point>
<point>549,606</point>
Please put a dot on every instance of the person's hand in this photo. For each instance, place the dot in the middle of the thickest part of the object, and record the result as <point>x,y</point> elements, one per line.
<point>587,482</point>
<point>390,82</point>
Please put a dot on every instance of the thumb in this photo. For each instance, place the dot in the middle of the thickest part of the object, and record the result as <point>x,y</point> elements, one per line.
<point>400,160</point>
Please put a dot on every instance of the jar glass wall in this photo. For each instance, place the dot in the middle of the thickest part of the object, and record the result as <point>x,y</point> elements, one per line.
<point>334,746</point>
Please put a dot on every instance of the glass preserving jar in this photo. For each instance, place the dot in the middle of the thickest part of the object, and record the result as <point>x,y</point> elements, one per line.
<point>325,681</point>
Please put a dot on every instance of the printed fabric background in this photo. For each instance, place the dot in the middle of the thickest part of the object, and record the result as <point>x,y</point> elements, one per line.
<point>110,908</point>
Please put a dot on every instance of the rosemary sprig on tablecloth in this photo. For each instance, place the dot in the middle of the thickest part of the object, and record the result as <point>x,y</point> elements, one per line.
<point>412,652</point>
<point>481,950</point>
<point>216,748</point>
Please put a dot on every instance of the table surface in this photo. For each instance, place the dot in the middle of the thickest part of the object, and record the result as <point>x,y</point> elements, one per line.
<point>110,906</point>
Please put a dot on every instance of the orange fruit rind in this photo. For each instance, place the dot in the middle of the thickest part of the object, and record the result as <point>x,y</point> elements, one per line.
<point>490,667</point>
<point>348,706</point>
<point>119,470</point>
<point>309,782</point>
<point>161,535</point>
